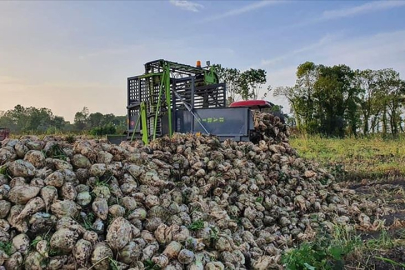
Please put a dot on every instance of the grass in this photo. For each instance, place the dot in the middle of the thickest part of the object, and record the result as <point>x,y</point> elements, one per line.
<point>375,159</point>
<point>355,159</point>
<point>332,250</point>
<point>384,241</point>
<point>392,262</point>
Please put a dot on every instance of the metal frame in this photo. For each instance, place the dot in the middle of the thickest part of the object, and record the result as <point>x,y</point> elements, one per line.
<point>165,88</point>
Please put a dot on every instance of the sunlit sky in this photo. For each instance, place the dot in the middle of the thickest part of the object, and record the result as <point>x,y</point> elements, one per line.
<point>71,54</point>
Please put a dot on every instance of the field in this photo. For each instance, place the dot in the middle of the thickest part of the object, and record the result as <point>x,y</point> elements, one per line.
<point>374,168</point>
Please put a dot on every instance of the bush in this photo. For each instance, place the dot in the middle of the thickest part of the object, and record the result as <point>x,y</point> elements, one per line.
<point>104,130</point>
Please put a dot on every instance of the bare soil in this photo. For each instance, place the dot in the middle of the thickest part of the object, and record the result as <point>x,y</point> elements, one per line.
<point>393,193</point>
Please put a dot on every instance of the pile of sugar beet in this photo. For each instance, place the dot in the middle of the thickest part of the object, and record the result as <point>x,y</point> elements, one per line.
<point>186,202</point>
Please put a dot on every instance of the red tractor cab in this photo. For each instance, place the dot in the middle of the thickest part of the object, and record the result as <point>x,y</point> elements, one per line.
<point>4,133</point>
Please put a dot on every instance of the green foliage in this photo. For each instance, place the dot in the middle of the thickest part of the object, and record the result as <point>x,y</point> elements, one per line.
<point>103,130</point>
<point>55,252</point>
<point>70,138</point>
<point>99,124</point>
<point>214,234</point>
<point>57,152</point>
<point>282,176</point>
<point>114,264</point>
<point>259,199</point>
<point>324,252</point>
<point>196,225</point>
<point>150,265</point>
<point>245,84</point>
<point>4,171</point>
<point>110,219</point>
<point>35,242</point>
<point>31,120</point>
<point>7,247</point>
<point>81,119</point>
<point>250,83</point>
<point>336,101</point>
<point>104,179</point>
<point>231,76</point>
<point>88,221</point>
<point>383,241</point>
<point>101,183</point>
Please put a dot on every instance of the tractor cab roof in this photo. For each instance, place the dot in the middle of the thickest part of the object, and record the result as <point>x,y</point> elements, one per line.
<point>253,104</point>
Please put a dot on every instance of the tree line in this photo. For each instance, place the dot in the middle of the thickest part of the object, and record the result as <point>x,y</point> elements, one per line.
<point>31,120</point>
<point>338,101</point>
<point>330,100</point>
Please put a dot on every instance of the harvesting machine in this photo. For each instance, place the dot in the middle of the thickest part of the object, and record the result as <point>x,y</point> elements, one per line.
<point>172,97</point>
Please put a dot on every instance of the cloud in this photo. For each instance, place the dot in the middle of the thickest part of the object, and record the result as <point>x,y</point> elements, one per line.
<point>383,50</point>
<point>187,5</point>
<point>362,9</point>
<point>242,10</point>
<point>327,39</point>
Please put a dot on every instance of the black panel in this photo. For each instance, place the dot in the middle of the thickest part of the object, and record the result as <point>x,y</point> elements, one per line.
<point>222,122</point>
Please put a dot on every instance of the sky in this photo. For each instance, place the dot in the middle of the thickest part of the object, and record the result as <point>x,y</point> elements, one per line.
<point>65,55</point>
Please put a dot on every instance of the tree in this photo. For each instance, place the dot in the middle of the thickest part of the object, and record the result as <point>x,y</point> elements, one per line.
<point>301,97</point>
<point>95,119</point>
<point>245,85</point>
<point>366,82</point>
<point>231,76</point>
<point>293,99</point>
<point>31,120</point>
<point>307,76</point>
<point>250,82</point>
<point>108,119</point>
<point>393,89</point>
<point>59,122</point>
<point>324,99</point>
<point>7,122</point>
<point>337,100</point>
<point>81,118</point>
